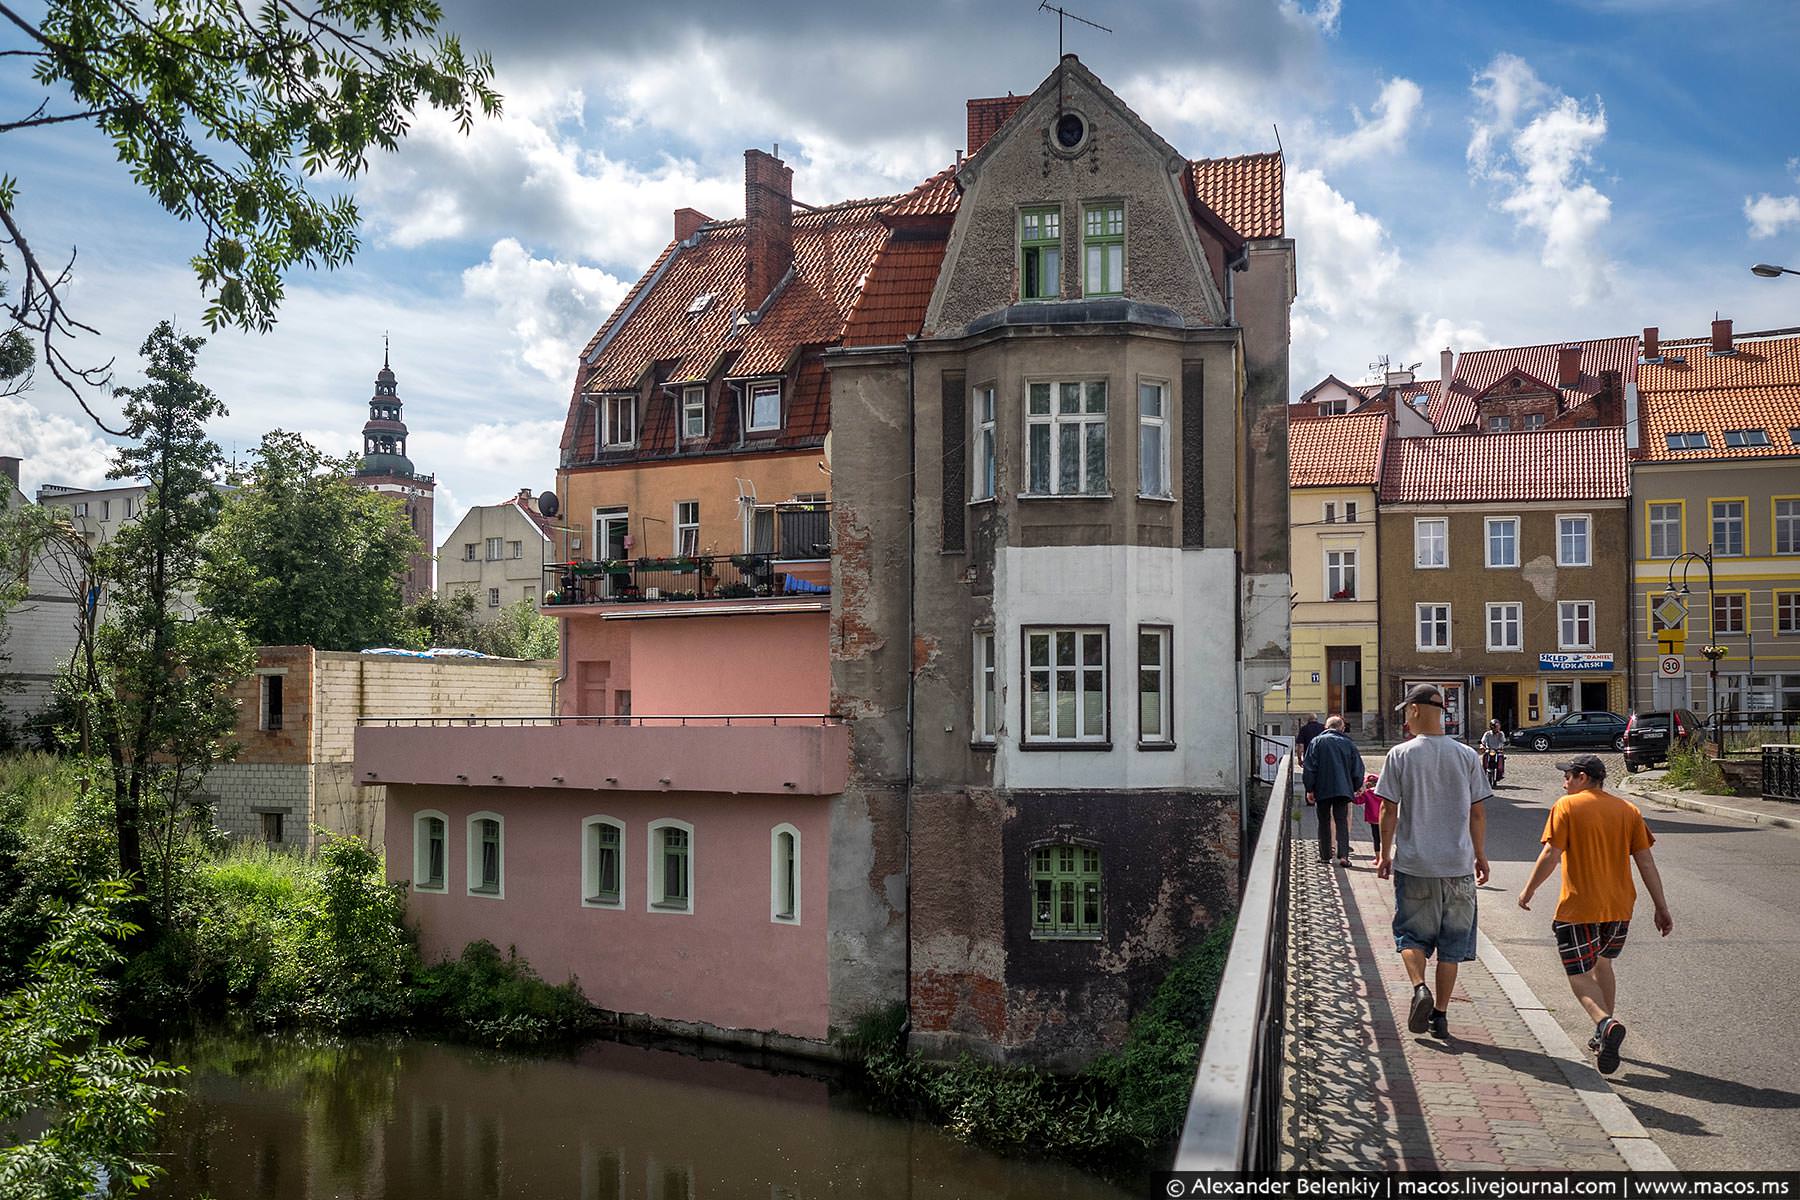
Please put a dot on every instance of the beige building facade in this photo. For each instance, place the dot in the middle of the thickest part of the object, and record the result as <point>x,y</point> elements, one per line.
<point>497,553</point>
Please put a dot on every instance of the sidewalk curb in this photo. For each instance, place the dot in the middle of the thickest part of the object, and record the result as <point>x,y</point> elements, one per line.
<point>1629,1137</point>
<point>1673,800</point>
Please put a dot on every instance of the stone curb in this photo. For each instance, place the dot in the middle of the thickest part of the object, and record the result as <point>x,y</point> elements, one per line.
<point>1674,800</point>
<point>1629,1137</point>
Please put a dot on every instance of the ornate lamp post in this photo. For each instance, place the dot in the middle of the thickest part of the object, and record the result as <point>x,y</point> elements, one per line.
<point>1712,652</point>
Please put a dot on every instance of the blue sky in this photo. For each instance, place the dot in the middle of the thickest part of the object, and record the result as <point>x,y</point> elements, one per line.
<point>1459,174</point>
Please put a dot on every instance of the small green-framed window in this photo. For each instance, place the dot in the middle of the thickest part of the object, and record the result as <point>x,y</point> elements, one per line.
<point>1040,253</point>
<point>673,879</point>
<point>1103,243</point>
<point>1065,891</point>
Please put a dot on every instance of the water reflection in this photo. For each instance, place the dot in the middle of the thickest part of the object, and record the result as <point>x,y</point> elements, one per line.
<point>290,1119</point>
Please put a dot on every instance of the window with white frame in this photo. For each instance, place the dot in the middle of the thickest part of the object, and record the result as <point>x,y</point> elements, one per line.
<point>493,597</point>
<point>1332,408</point>
<point>765,407</point>
<point>1065,685</point>
<point>987,687</point>
<point>671,866</point>
<point>81,508</point>
<point>687,527</point>
<point>1664,520</point>
<point>1155,724</point>
<point>1573,541</point>
<point>1499,424</point>
<point>1328,512</point>
<point>1505,626</point>
<point>1350,511</point>
<point>986,451</point>
<point>1065,434</point>
<point>1433,622</point>
<point>469,551</point>
<point>1787,526</point>
<point>1340,574</point>
<point>1502,541</point>
<point>693,414</point>
<point>1787,612</point>
<point>1153,439</point>
<point>618,421</point>
<point>1728,527</point>
<point>487,855</point>
<point>1431,542</point>
<point>515,549</point>
<point>602,863</point>
<point>494,546</point>
<point>784,875</point>
<point>431,846</point>
<point>1575,624</point>
<point>1729,612</point>
<point>1534,421</point>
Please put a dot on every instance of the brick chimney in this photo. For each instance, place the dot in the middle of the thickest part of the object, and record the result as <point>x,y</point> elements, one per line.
<point>1652,344</point>
<point>987,116</point>
<point>1721,337</point>
<point>688,222</point>
<point>768,225</point>
<point>1568,366</point>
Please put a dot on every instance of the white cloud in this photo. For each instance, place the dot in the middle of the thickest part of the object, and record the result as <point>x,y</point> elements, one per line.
<point>1769,215</point>
<point>53,447</point>
<point>551,307</point>
<point>1323,15</point>
<point>1507,88</point>
<point>1383,132</point>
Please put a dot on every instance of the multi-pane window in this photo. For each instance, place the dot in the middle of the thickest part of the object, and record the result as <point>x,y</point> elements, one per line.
<point>486,864</point>
<point>1572,541</point>
<point>1431,542</point>
<point>784,875</point>
<point>1728,612</point>
<point>1787,612</point>
<point>1153,685</point>
<point>1691,440</point>
<point>693,414</point>
<point>987,683</point>
<point>1340,574</point>
<point>1746,438</point>
<point>765,407</point>
<point>469,549</point>
<point>1664,521</point>
<point>986,464</point>
<point>604,862</point>
<point>1504,624</point>
<point>1499,424</point>
<point>1350,511</point>
<point>430,843</point>
<point>1787,526</point>
<point>515,549</point>
<point>618,420</point>
<point>1727,527</point>
<point>1575,624</point>
<point>687,527</point>
<point>1040,253</point>
<point>1065,891</point>
<point>1534,421</point>
<point>494,547</point>
<point>1153,439</point>
<point>1103,243</point>
<point>1434,626</point>
<point>494,597</point>
<point>1502,541</point>
<point>671,867</point>
<point>1065,434</point>
<point>1065,684</point>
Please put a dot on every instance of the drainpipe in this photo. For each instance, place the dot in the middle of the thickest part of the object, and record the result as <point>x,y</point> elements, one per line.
<point>912,667</point>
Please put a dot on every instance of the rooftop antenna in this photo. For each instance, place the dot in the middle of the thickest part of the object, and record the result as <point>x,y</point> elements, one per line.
<point>1279,148</point>
<point>1063,16</point>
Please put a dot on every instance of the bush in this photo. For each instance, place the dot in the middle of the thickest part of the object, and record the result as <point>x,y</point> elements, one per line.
<point>1691,769</point>
<point>501,1001</point>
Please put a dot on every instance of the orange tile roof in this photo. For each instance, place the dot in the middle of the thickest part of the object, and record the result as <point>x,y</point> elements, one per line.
<point>544,524</point>
<point>936,197</point>
<point>1479,370</point>
<point>1757,363</point>
<point>1545,464</point>
<point>1339,451</point>
<point>893,301</point>
<point>1245,192</point>
<point>1712,411</point>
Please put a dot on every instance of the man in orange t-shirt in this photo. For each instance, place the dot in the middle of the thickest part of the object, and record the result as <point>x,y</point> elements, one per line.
<point>1596,836</point>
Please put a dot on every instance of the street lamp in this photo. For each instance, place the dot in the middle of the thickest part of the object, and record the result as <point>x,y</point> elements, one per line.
<point>1771,271</point>
<point>1712,652</point>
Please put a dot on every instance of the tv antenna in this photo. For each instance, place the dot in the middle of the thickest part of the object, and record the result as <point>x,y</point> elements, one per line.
<point>1063,15</point>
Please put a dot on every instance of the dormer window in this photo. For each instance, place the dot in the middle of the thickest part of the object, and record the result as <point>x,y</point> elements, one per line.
<point>1040,253</point>
<point>765,407</point>
<point>618,421</point>
<point>1499,424</point>
<point>1331,408</point>
<point>1103,243</point>
<point>693,414</point>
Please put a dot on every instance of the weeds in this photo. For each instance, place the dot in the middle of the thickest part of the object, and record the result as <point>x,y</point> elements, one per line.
<point>1691,769</point>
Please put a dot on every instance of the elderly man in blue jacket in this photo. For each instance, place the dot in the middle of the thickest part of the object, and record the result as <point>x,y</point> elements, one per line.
<point>1333,772</point>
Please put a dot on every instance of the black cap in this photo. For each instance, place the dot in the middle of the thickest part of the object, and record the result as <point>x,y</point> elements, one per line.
<point>1422,693</point>
<point>1588,764</point>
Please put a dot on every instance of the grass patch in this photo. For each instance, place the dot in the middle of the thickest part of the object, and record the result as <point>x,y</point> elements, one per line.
<point>1692,770</point>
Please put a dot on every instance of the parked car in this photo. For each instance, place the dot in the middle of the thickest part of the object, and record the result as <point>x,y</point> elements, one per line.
<point>1576,729</point>
<point>1650,736</point>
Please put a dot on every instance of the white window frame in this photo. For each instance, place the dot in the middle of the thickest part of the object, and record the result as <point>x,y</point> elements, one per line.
<point>1421,545</point>
<point>684,544</point>
<point>493,548</point>
<point>1488,527</point>
<point>1328,512</point>
<point>1787,613</point>
<point>985,477</point>
<point>472,855</point>
<point>1419,618</point>
<point>693,412</point>
<point>1350,512</point>
<point>470,550</point>
<point>654,900</point>
<point>422,852</point>
<point>776,916</point>
<point>1083,736</point>
<point>618,421</point>
<point>590,861</point>
<point>1055,420</point>
<point>1335,572</point>
<point>1165,637</point>
<point>986,720</point>
<point>1501,615</point>
<point>515,550</point>
<point>1719,546</point>
<point>1158,427</point>
<point>1574,612</point>
<point>1670,526</point>
<point>751,393</point>
<point>1534,421</point>
<point>80,508</point>
<point>1586,525</point>
<point>493,597</point>
<point>263,690</point>
<point>1784,522</point>
<point>1738,605</point>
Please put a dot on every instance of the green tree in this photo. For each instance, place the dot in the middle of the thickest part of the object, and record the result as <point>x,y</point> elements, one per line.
<point>221,111</point>
<point>442,622</point>
<point>519,631</point>
<point>303,556</point>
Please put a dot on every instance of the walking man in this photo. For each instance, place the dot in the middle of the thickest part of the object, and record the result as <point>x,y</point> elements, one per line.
<point>1333,769</point>
<point>1309,730</point>
<point>1596,836</point>
<point>1434,844</point>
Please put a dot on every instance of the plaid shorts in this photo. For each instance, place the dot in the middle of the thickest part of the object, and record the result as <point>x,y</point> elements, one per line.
<point>1584,945</point>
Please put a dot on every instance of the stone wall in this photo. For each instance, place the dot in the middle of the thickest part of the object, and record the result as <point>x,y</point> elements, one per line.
<point>241,793</point>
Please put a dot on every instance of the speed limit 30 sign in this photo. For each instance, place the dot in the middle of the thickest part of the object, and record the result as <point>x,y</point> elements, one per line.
<point>1671,666</point>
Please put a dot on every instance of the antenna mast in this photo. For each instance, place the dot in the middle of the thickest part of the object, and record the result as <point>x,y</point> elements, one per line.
<point>1064,15</point>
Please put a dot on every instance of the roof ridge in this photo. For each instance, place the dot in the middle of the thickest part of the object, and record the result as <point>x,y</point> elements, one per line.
<point>808,210</point>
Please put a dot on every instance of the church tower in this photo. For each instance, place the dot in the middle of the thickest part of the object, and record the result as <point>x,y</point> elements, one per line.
<point>386,468</point>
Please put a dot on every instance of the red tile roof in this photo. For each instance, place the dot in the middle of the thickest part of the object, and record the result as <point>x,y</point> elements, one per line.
<point>893,301</point>
<point>1757,363</point>
<point>1756,388</point>
<point>545,525</point>
<point>1479,370</point>
<point>1342,451</point>
<point>1245,192</point>
<point>936,197</point>
<point>1545,464</point>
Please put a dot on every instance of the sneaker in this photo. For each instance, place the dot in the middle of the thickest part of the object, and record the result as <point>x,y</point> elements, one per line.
<point>1593,1044</point>
<point>1440,1025</point>
<point>1418,1018</point>
<point>1609,1047</point>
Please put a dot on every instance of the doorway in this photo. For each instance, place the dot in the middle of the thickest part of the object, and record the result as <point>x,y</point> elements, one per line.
<point>1593,695</point>
<point>1343,682</point>
<point>612,529</point>
<point>1504,706</point>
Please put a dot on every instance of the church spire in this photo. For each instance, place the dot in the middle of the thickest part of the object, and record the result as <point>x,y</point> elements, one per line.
<point>384,433</point>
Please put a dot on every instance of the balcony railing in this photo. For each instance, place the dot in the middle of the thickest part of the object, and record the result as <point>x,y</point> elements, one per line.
<point>784,535</point>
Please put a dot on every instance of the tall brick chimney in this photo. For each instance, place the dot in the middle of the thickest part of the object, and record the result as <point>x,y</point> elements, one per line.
<point>1568,365</point>
<point>768,225</point>
<point>688,222</point>
<point>987,116</point>
<point>1721,336</point>
<point>1652,344</point>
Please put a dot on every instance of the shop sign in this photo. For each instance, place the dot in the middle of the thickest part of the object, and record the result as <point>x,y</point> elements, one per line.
<point>1575,662</point>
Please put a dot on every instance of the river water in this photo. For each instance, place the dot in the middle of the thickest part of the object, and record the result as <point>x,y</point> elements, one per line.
<point>280,1118</point>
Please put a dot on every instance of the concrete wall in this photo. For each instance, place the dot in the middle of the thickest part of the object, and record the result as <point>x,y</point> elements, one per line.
<point>516,579</point>
<point>240,793</point>
<point>735,663</point>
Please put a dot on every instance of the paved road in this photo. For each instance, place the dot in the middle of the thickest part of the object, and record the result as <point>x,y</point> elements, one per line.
<point>1712,1066</point>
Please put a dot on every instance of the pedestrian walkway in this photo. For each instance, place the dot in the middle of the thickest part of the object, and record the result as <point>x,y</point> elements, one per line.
<point>1364,1094</point>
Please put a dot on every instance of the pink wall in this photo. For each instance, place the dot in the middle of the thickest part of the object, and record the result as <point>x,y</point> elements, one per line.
<point>776,663</point>
<point>724,962</point>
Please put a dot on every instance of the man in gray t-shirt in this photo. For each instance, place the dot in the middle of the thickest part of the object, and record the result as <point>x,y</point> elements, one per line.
<point>1433,843</point>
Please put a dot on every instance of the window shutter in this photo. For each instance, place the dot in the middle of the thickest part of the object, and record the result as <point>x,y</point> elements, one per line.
<point>956,434</point>
<point>1193,447</point>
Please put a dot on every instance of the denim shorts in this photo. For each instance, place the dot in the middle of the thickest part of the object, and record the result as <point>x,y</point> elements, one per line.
<point>1433,914</point>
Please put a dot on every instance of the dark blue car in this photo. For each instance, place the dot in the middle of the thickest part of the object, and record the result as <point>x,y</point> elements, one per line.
<point>1602,729</point>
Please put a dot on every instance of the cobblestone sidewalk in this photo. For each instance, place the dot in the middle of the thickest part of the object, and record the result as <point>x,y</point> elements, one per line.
<point>1363,1093</point>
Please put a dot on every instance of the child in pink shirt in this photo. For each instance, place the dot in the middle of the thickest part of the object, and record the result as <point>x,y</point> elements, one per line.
<point>1371,807</point>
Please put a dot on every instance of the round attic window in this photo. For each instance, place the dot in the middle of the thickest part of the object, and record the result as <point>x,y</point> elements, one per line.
<point>1071,131</point>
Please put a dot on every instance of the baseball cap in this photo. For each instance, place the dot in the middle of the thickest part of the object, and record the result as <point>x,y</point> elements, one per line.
<point>1422,693</point>
<point>1588,764</point>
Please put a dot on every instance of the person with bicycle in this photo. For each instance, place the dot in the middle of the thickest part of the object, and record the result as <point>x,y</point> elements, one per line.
<point>1493,752</point>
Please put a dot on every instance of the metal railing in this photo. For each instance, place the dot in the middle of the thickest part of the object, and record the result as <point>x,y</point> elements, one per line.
<point>699,577</point>
<point>1752,726</point>
<point>1781,773</point>
<point>1234,1112</point>
<point>534,721</point>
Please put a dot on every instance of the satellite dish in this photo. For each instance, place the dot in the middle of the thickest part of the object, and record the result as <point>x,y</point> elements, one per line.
<point>548,504</point>
<point>828,447</point>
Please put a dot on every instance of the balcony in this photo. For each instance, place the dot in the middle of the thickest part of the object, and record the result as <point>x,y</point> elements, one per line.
<point>807,755</point>
<point>793,560</point>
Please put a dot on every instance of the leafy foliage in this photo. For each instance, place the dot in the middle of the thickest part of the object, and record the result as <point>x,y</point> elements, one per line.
<point>1692,769</point>
<point>519,631</point>
<point>502,1001</point>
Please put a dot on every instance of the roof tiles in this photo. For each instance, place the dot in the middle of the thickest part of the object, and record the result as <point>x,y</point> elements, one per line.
<point>1245,192</point>
<point>893,301</point>
<point>1342,451</point>
<point>1479,370</point>
<point>1756,388</point>
<point>1547,464</point>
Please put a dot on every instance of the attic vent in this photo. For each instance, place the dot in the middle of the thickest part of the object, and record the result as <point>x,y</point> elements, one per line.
<point>700,304</point>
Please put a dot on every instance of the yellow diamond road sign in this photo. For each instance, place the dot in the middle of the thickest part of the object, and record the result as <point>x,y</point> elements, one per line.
<point>1671,612</point>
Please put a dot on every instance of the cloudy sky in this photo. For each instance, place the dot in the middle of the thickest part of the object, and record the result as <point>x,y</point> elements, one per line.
<point>1458,174</point>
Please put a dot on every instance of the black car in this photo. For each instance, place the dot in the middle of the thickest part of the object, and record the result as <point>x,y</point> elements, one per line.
<point>1577,729</point>
<point>1650,736</point>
